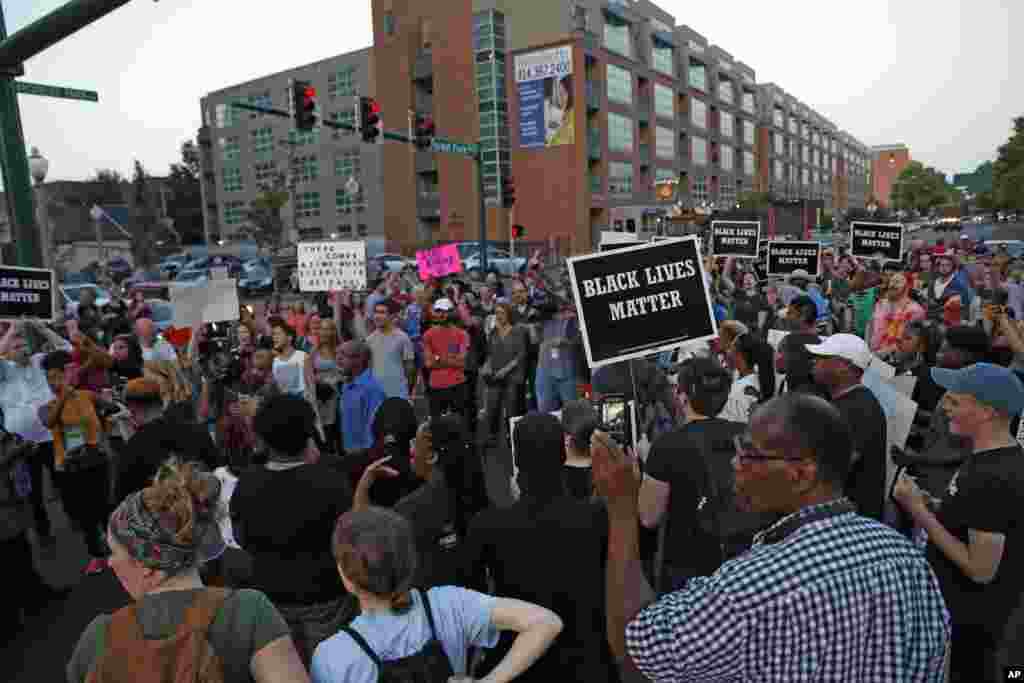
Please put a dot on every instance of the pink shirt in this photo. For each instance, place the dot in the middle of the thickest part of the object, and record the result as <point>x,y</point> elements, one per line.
<point>445,340</point>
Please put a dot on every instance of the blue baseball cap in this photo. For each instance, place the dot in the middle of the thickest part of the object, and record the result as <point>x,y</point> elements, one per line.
<point>990,384</point>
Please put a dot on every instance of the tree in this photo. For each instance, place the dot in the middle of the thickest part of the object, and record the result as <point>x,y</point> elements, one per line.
<point>266,225</point>
<point>1008,170</point>
<point>185,203</point>
<point>144,218</point>
<point>922,187</point>
<point>107,187</point>
<point>755,200</point>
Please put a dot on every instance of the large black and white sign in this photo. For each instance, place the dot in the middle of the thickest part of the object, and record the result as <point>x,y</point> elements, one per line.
<point>26,293</point>
<point>326,266</point>
<point>876,240</point>
<point>640,300</point>
<point>740,239</point>
<point>785,257</point>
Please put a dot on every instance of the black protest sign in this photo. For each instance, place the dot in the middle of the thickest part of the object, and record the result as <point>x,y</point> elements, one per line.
<point>786,257</point>
<point>876,240</point>
<point>639,300</point>
<point>26,293</point>
<point>739,239</point>
<point>615,246</point>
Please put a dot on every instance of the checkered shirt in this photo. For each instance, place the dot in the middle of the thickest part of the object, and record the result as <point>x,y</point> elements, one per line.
<point>840,599</point>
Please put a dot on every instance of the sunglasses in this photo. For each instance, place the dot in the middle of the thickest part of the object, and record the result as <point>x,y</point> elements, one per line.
<point>747,453</point>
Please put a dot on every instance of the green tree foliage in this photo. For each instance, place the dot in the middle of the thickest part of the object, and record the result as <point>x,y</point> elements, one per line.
<point>107,187</point>
<point>185,200</point>
<point>923,188</point>
<point>1008,170</point>
<point>755,200</point>
<point>265,222</point>
<point>144,217</point>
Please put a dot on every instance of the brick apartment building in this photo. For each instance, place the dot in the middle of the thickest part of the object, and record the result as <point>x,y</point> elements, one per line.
<point>610,97</point>
<point>887,162</point>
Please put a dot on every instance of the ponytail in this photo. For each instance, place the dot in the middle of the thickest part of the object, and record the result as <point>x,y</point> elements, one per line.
<point>758,354</point>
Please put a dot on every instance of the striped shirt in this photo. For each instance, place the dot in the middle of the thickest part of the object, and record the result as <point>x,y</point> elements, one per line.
<point>839,599</point>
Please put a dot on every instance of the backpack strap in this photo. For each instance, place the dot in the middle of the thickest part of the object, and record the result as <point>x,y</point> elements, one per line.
<point>363,645</point>
<point>201,613</point>
<point>430,615</point>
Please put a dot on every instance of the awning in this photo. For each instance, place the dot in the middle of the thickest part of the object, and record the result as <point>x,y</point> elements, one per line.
<point>616,13</point>
<point>665,39</point>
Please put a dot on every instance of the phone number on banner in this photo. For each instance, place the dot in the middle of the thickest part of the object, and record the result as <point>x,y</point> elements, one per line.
<point>536,72</point>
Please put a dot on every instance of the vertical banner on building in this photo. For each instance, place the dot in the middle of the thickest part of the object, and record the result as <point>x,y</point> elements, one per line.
<point>641,300</point>
<point>546,108</point>
<point>876,240</point>
<point>326,266</point>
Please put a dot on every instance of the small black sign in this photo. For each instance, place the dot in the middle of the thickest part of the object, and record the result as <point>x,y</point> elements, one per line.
<point>876,240</point>
<point>26,293</point>
<point>739,239</point>
<point>614,246</point>
<point>643,299</point>
<point>786,257</point>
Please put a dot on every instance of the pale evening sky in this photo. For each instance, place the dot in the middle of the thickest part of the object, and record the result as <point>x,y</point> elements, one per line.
<point>935,75</point>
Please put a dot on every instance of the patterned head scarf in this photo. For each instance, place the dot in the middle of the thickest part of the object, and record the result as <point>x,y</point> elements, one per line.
<point>150,538</point>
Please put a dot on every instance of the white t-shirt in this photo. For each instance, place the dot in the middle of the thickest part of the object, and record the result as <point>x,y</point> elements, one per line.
<point>740,403</point>
<point>23,391</point>
<point>290,374</point>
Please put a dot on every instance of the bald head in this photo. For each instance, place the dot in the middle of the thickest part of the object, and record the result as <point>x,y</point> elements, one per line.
<point>354,357</point>
<point>145,330</point>
<point>803,424</point>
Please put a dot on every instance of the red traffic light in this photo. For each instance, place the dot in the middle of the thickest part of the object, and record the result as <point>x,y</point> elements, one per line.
<point>310,92</point>
<point>374,107</point>
<point>518,231</point>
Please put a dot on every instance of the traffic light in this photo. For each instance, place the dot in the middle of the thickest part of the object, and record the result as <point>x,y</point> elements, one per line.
<point>303,105</point>
<point>518,232</point>
<point>369,119</point>
<point>423,130</point>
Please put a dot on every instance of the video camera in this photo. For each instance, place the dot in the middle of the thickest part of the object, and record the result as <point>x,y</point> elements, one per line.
<point>219,360</point>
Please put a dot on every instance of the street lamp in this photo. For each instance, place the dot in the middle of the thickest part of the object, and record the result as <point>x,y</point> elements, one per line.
<point>96,213</point>
<point>39,166</point>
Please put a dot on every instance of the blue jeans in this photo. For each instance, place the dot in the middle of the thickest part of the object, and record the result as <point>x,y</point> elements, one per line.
<point>553,391</point>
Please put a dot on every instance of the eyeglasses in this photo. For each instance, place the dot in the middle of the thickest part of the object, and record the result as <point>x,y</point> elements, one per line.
<point>747,453</point>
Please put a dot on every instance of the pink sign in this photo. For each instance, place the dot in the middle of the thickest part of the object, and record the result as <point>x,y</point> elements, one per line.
<point>439,261</point>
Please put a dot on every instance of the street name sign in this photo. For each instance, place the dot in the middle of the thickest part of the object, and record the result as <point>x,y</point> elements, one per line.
<point>451,147</point>
<point>26,88</point>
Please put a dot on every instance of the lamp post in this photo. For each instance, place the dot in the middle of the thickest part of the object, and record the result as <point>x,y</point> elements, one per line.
<point>352,189</point>
<point>97,216</point>
<point>39,166</point>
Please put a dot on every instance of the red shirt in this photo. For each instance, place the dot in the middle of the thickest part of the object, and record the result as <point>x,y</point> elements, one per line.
<point>443,340</point>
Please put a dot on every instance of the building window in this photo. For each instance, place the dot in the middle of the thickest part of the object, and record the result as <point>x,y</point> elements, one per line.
<point>698,113</point>
<point>595,184</point>
<point>227,115</point>
<point>777,144</point>
<point>620,133</point>
<point>727,193</point>
<point>779,172</point>
<point>748,133</point>
<point>700,190</point>
<point>262,99</point>
<point>806,154</point>
<point>726,125</point>
<point>748,163</point>
<point>230,149</point>
<point>725,157</point>
<point>617,37</point>
<point>343,200</point>
<point>778,118</point>
<point>363,230</point>
<point>662,60</point>
<point>265,171</point>
<point>663,174</point>
<point>341,83</point>
<point>664,101</point>
<point>307,204</point>
<point>389,23</point>
<point>345,230</point>
<point>346,117</point>
<point>725,91</point>
<point>699,153</point>
<point>794,127</point>
<point>347,164</point>
<point>748,102</point>
<point>302,138</point>
<point>697,76</point>
<point>806,177</point>
<point>234,212</point>
<point>620,85</point>
<point>232,176</point>
<point>307,168</point>
<point>262,140</point>
<point>665,143</point>
<point>620,179</point>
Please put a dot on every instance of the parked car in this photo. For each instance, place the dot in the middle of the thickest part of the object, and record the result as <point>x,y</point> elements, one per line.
<point>258,262</point>
<point>193,276</point>
<point>170,266</point>
<point>232,263</point>
<point>497,259</point>
<point>72,293</point>
<point>140,276</point>
<point>154,289</point>
<point>80,278</point>
<point>256,281</point>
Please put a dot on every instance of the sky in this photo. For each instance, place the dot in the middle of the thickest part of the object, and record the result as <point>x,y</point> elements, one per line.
<point>931,74</point>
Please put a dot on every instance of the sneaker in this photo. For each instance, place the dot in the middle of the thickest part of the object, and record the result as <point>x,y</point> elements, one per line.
<point>96,566</point>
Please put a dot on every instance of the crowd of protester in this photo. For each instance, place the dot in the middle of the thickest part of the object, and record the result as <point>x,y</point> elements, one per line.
<point>267,483</point>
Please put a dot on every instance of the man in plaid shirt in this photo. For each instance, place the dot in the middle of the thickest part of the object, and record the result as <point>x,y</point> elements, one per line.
<point>823,595</point>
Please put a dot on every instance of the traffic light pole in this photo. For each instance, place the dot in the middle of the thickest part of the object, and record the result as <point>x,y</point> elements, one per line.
<point>483,212</point>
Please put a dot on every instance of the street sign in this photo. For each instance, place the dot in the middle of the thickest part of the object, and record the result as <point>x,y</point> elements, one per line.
<point>26,88</point>
<point>450,147</point>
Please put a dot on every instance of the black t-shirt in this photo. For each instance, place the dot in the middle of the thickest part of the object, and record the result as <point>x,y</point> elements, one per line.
<point>154,443</point>
<point>676,459</point>
<point>579,481</point>
<point>746,309</point>
<point>865,484</point>
<point>986,494</point>
<point>285,520</point>
<point>550,552</point>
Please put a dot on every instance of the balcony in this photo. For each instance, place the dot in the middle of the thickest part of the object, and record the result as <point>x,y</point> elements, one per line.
<point>425,162</point>
<point>593,96</point>
<point>594,145</point>
<point>428,205</point>
<point>423,67</point>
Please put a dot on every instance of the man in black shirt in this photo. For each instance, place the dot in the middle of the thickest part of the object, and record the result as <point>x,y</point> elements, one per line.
<point>976,535</point>
<point>839,367</point>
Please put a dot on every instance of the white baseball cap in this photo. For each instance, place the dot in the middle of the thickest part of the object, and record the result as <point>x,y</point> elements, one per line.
<point>846,346</point>
<point>444,305</point>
